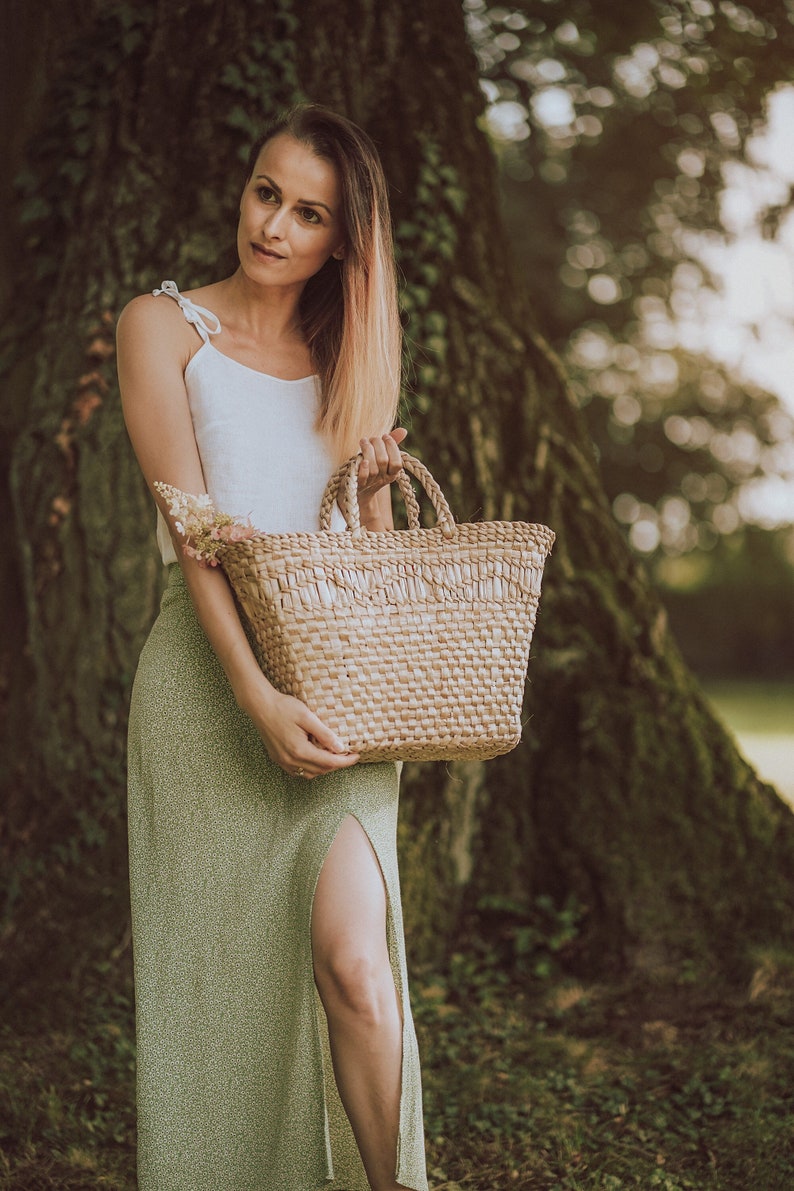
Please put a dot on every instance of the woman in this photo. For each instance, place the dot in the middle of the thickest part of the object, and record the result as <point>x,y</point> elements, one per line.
<point>269,958</point>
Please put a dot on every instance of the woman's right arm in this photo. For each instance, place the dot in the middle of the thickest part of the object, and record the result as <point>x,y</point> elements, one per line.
<point>154,347</point>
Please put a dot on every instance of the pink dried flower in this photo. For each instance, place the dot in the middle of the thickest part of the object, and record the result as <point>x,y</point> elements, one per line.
<point>205,530</point>
<point>241,533</point>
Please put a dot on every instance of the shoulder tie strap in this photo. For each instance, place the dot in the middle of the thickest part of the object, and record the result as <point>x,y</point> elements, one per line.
<point>197,315</point>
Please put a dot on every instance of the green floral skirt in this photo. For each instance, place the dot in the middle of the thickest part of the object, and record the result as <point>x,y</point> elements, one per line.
<point>235,1086</point>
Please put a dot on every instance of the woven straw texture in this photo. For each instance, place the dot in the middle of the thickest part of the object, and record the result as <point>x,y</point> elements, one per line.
<point>410,644</point>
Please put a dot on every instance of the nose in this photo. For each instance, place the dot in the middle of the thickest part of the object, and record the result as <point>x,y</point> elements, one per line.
<point>275,223</point>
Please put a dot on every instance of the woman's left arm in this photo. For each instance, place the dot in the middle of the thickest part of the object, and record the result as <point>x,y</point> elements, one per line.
<point>380,465</point>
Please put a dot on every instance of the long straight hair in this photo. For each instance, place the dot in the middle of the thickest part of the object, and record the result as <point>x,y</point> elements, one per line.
<point>348,310</point>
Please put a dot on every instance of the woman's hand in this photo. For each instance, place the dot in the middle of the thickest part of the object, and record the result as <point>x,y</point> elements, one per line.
<point>380,465</point>
<point>295,738</point>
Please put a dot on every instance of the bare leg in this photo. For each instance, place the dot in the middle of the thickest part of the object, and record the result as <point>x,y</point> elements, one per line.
<point>356,985</point>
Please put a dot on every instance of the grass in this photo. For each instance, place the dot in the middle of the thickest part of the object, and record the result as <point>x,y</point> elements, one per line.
<point>639,1086</point>
<point>759,708</point>
<point>529,1083</point>
<point>761,717</point>
<point>67,1087</point>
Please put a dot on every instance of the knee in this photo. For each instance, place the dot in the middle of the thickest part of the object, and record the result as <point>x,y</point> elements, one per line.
<point>354,984</point>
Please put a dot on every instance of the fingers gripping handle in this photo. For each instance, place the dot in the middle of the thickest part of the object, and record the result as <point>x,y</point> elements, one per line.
<point>343,485</point>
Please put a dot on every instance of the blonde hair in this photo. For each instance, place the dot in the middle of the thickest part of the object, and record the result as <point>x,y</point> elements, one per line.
<point>348,309</point>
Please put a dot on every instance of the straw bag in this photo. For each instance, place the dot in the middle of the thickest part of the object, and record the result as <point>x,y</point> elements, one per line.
<point>409,644</point>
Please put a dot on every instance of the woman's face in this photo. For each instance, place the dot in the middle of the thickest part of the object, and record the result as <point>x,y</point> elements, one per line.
<point>290,214</point>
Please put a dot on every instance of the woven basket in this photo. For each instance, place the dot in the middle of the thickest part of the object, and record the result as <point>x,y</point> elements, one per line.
<point>409,644</point>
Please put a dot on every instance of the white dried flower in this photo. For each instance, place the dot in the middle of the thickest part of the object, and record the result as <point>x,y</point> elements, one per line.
<point>205,530</point>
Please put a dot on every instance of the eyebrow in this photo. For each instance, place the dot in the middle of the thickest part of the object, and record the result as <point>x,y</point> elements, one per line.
<point>301,202</point>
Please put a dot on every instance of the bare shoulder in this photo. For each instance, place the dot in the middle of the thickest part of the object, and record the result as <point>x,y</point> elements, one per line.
<point>150,320</point>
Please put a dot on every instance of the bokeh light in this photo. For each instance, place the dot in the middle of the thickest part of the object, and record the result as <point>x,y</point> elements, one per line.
<point>659,177</point>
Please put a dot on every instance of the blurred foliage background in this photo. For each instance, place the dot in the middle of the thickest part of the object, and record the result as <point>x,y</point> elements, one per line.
<point>647,160</point>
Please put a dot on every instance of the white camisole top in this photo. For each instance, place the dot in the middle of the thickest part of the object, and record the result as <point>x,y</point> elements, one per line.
<point>261,453</point>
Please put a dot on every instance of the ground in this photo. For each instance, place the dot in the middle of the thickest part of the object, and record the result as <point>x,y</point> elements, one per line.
<point>532,1080</point>
<point>761,716</point>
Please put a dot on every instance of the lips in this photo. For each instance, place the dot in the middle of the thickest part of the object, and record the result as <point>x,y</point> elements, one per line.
<point>260,250</point>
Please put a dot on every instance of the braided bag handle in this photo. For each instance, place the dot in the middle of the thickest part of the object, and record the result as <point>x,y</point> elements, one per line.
<point>343,485</point>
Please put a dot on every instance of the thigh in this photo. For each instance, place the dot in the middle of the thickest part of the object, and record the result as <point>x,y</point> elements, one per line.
<point>350,905</point>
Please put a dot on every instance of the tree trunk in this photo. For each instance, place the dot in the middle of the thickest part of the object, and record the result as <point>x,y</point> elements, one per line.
<point>625,793</point>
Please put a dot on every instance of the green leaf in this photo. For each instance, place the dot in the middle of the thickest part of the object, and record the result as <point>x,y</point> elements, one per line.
<point>238,118</point>
<point>231,77</point>
<point>457,199</point>
<point>34,209</point>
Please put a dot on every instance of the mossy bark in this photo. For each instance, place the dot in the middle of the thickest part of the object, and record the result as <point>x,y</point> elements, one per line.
<point>626,792</point>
